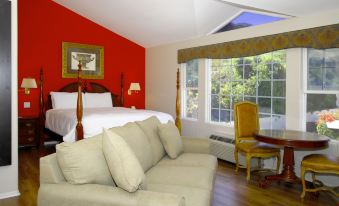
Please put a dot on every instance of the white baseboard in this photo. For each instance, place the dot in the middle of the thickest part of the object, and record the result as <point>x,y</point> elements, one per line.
<point>9,194</point>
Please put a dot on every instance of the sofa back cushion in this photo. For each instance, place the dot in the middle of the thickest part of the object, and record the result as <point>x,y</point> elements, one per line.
<point>83,162</point>
<point>137,140</point>
<point>150,128</point>
<point>171,139</point>
<point>122,162</point>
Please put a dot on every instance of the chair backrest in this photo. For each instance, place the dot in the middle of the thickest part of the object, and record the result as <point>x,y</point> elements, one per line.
<point>246,121</point>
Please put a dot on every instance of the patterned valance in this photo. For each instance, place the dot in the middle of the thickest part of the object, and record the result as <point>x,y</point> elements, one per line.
<point>319,38</point>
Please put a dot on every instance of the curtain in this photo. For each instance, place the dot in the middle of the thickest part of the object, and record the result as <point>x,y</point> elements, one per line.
<point>319,38</point>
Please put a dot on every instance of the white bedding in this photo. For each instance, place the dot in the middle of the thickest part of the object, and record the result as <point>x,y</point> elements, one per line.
<point>63,121</point>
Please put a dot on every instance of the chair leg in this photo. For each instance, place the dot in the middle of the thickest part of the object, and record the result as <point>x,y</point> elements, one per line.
<point>236,160</point>
<point>248,167</point>
<point>302,175</point>
<point>278,162</point>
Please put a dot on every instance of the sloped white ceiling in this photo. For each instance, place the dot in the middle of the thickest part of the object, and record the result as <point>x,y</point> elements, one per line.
<point>155,22</point>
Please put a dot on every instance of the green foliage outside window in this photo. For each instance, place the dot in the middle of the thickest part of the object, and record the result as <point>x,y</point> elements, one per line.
<point>260,79</point>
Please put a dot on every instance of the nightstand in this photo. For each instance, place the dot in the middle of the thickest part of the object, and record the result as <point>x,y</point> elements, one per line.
<point>29,131</point>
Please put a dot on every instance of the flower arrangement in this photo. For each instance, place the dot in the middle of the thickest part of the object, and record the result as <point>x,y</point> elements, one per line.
<point>322,124</point>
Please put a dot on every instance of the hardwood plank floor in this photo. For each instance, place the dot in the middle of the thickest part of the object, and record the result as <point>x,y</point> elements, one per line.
<point>230,189</point>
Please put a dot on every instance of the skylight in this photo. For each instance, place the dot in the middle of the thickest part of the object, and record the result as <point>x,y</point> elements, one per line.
<point>247,19</point>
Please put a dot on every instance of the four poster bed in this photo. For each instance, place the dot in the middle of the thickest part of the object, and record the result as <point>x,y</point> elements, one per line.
<point>75,120</point>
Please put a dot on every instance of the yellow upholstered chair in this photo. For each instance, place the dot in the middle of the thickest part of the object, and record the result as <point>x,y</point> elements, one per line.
<point>246,124</point>
<point>318,163</point>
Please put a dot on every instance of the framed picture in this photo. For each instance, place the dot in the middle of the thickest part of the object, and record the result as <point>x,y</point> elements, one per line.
<point>91,58</point>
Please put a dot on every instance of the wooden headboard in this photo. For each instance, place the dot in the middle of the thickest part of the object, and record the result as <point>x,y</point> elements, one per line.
<point>88,87</point>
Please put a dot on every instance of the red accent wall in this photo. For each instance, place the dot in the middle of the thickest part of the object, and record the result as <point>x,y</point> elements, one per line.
<point>43,25</point>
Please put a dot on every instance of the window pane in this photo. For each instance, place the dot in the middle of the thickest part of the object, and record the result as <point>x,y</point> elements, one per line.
<point>264,105</point>
<point>225,102</point>
<point>192,104</point>
<point>192,74</point>
<point>250,87</point>
<point>226,88</point>
<point>315,58</point>
<point>279,89</point>
<point>265,121</point>
<point>315,78</point>
<point>224,116</point>
<point>238,72</point>
<point>332,80</point>
<point>215,101</point>
<point>264,88</point>
<point>215,82</point>
<point>279,71</point>
<point>323,69</point>
<point>190,87</point>
<point>215,115</point>
<point>278,122</point>
<point>278,106</point>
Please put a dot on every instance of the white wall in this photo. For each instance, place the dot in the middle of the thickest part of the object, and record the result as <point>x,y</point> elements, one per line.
<point>161,65</point>
<point>9,174</point>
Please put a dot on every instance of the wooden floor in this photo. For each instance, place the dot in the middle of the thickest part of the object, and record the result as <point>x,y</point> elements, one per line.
<point>230,189</point>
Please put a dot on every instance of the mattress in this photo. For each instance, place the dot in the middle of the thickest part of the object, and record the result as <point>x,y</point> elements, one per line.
<point>63,121</point>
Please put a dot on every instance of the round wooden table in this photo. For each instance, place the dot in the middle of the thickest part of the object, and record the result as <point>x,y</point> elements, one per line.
<point>290,140</point>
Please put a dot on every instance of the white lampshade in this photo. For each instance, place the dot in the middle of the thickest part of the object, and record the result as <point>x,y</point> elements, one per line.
<point>133,87</point>
<point>28,83</point>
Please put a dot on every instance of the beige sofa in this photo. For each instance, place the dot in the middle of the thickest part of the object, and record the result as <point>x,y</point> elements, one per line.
<point>187,180</point>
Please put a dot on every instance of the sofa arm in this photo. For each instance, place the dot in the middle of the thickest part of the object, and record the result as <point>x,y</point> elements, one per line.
<point>63,194</point>
<point>196,145</point>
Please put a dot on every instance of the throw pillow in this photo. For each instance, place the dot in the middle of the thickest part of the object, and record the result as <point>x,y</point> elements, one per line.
<point>83,162</point>
<point>150,128</point>
<point>122,162</point>
<point>171,139</point>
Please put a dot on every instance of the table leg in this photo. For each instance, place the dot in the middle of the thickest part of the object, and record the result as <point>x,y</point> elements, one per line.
<point>288,174</point>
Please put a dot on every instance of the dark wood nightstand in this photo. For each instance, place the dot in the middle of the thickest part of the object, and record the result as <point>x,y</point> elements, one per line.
<point>29,131</point>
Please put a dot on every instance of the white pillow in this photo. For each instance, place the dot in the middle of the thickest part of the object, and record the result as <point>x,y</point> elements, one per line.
<point>171,139</point>
<point>98,100</point>
<point>64,100</point>
<point>124,166</point>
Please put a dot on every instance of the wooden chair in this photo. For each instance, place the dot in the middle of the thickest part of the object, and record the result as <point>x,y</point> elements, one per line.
<point>319,163</point>
<point>246,124</point>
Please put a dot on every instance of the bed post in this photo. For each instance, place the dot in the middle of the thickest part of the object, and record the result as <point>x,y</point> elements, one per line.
<point>178,104</point>
<point>41,109</point>
<point>122,89</point>
<point>79,128</point>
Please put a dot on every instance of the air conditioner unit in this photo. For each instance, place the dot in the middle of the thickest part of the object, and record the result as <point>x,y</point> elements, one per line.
<point>223,148</point>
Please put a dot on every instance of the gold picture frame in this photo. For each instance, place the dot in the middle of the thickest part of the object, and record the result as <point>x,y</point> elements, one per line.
<point>90,56</point>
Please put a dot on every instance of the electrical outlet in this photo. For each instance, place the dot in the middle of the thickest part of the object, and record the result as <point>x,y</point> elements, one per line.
<point>27,105</point>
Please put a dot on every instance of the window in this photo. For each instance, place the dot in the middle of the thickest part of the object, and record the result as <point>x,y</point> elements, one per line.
<point>260,79</point>
<point>247,19</point>
<point>190,89</point>
<point>322,92</point>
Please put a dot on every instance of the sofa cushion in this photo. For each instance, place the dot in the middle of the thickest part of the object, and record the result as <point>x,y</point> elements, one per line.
<point>198,177</point>
<point>193,196</point>
<point>150,127</point>
<point>191,160</point>
<point>83,162</point>
<point>122,162</point>
<point>171,139</point>
<point>137,140</point>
